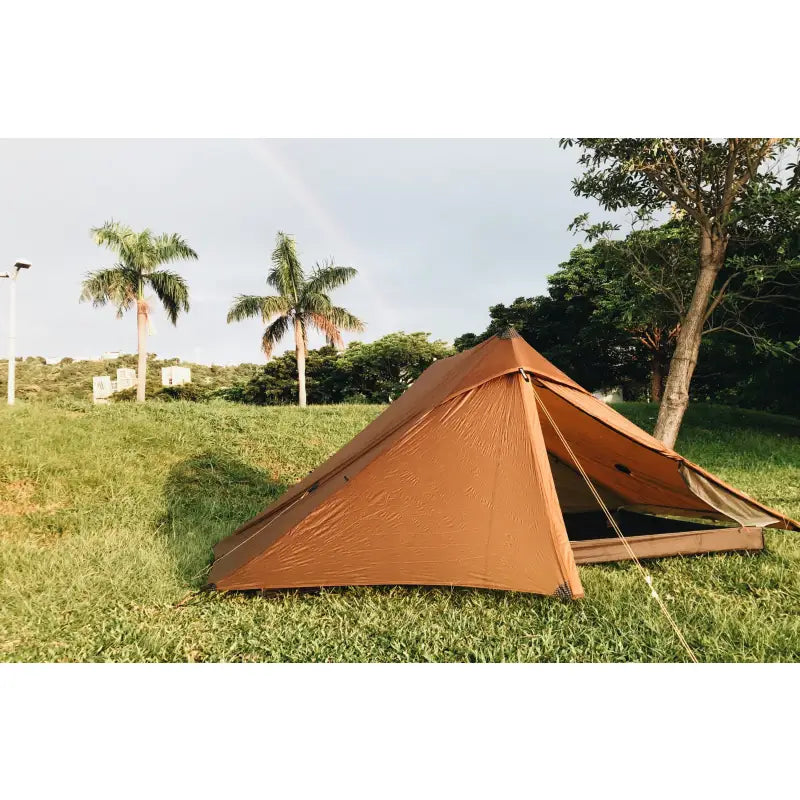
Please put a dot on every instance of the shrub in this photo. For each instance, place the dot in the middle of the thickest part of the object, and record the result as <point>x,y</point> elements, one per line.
<point>124,396</point>
<point>188,391</point>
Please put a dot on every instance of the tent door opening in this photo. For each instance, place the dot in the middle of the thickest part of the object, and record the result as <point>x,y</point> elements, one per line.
<point>650,535</point>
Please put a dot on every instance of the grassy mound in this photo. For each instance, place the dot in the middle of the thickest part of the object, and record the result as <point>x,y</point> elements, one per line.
<point>108,514</point>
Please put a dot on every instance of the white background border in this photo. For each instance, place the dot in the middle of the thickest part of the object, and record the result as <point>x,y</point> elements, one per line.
<point>411,69</point>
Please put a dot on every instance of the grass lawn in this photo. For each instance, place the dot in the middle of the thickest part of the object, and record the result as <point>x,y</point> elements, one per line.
<point>108,514</point>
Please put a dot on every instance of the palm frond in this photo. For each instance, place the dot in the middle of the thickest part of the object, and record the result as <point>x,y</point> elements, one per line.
<point>300,298</point>
<point>274,305</point>
<point>172,247</point>
<point>274,332</point>
<point>172,290</point>
<point>316,302</point>
<point>117,285</point>
<point>118,238</point>
<point>327,277</point>
<point>344,320</point>
<point>325,326</point>
<point>245,306</point>
<point>286,275</point>
<point>142,251</point>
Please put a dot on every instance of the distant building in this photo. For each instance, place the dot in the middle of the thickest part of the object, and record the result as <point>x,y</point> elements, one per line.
<point>126,378</point>
<point>175,376</point>
<point>52,361</point>
<point>110,355</point>
<point>102,388</point>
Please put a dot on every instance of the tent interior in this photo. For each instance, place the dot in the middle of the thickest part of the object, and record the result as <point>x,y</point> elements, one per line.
<point>584,519</point>
<point>648,495</point>
<point>584,525</point>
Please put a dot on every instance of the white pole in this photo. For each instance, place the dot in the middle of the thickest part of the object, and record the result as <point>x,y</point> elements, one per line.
<point>12,335</point>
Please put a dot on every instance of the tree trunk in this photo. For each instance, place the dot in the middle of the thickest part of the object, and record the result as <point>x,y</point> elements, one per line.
<point>656,376</point>
<point>141,327</point>
<point>300,350</point>
<point>687,346</point>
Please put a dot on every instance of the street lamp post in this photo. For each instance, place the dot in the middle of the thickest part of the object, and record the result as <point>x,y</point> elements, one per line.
<point>12,326</point>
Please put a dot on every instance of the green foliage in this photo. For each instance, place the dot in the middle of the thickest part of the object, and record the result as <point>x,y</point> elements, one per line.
<point>374,372</point>
<point>720,187</point>
<point>563,327</point>
<point>613,309</point>
<point>642,282</point>
<point>124,396</point>
<point>362,373</point>
<point>646,280</point>
<point>734,372</point>
<point>273,384</point>
<point>637,289</point>
<point>301,297</point>
<point>382,370</point>
<point>141,257</point>
<point>190,392</point>
<point>108,517</point>
<point>70,381</point>
<point>704,178</point>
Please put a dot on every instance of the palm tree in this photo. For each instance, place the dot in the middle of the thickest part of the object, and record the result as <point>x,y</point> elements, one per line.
<point>140,259</point>
<point>303,302</point>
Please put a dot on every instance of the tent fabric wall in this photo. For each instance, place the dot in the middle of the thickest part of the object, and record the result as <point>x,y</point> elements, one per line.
<point>465,497</point>
<point>453,485</point>
<point>732,506</point>
<point>664,468</point>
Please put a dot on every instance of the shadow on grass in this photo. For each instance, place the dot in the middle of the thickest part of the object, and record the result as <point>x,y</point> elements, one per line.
<point>207,497</point>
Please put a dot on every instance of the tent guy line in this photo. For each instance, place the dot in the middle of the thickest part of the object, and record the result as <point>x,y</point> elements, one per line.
<point>642,571</point>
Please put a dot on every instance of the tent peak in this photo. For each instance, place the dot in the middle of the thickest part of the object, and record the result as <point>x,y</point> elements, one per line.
<point>509,332</point>
<point>502,353</point>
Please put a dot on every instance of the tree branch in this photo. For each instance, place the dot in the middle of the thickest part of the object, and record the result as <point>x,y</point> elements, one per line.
<point>718,298</point>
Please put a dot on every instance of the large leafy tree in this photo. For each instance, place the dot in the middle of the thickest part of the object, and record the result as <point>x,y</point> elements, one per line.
<point>302,302</point>
<point>141,257</point>
<point>382,370</point>
<point>614,308</point>
<point>707,180</point>
<point>373,372</point>
<point>639,285</point>
<point>565,329</point>
<point>645,281</point>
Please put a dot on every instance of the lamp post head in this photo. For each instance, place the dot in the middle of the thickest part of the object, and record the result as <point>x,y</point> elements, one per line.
<point>23,265</point>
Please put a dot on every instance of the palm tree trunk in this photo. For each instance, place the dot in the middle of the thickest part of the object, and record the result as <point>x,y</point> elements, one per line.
<point>300,350</point>
<point>141,328</point>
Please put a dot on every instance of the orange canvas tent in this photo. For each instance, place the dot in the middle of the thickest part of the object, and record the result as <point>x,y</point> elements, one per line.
<point>463,481</point>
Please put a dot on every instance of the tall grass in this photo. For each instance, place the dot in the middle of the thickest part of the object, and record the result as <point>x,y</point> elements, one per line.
<point>108,514</point>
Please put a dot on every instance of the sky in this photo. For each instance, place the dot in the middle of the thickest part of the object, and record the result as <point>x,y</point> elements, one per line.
<point>439,230</point>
